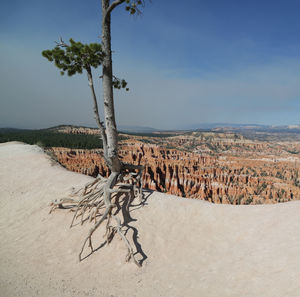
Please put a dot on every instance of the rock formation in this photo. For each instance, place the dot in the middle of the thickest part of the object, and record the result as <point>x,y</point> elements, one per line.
<point>219,178</point>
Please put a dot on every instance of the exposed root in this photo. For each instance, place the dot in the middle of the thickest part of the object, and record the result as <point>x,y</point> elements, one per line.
<point>99,195</point>
<point>130,254</point>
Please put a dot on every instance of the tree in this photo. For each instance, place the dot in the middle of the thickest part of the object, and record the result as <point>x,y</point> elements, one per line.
<point>76,57</point>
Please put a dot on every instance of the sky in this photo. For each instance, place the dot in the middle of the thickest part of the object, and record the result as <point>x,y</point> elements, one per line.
<point>186,63</point>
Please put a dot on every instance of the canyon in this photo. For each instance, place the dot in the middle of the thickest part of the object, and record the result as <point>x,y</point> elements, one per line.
<point>218,167</point>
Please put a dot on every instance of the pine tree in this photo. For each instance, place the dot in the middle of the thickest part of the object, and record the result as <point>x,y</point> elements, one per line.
<point>74,58</point>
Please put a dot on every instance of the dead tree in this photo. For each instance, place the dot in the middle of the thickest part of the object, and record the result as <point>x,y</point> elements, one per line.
<point>95,202</point>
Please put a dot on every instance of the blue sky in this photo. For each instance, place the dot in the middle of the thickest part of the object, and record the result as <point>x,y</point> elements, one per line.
<point>186,62</point>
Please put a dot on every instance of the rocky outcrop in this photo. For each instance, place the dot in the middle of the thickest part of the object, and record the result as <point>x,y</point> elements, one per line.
<point>77,130</point>
<point>219,178</point>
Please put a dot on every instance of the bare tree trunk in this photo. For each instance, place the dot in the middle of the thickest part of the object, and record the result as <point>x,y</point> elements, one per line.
<point>96,112</point>
<point>109,112</point>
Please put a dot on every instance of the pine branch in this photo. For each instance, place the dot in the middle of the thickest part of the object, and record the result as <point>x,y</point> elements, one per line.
<point>112,7</point>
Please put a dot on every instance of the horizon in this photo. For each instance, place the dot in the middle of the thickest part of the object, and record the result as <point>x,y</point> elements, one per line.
<point>144,128</point>
<point>217,63</point>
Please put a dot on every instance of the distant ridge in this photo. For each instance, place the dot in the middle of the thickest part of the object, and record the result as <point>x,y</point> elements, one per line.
<point>244,127</point>
<point>138,129</point>
<point>213,127</point>
<point>223,125</point>
<point>121,128</point>
<point>7,129</point>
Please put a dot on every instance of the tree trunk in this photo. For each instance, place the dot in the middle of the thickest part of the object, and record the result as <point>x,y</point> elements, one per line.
<point>96,112</point>
<point>109,112</point>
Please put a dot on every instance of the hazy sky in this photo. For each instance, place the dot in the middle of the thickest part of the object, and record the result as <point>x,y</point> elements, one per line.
<point>186,62</point>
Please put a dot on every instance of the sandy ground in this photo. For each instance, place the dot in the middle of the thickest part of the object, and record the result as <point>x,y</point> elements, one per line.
<point>191,248</point>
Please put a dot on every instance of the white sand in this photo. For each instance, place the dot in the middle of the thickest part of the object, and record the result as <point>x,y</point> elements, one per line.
<point>194,248</point>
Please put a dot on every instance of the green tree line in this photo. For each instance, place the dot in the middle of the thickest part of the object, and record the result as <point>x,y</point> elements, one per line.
<point>46,138</point>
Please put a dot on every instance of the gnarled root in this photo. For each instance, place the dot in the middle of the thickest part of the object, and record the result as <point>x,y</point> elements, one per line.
<point>99,195</point>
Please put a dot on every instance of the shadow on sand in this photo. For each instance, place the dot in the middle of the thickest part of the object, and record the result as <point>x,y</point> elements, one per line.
<point>125,206</point>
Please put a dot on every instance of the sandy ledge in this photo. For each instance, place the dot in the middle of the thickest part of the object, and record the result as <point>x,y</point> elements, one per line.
<point>193,248</point>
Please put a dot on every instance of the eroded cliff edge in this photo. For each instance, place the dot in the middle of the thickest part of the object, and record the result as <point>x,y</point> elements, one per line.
<point>220,179</point>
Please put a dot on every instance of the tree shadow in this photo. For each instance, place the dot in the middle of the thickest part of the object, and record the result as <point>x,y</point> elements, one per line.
<point>95,250</point>
<point>125,205</point>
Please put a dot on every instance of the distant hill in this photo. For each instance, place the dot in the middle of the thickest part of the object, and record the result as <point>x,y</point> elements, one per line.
<point>213,127</point>
<point>138,129</point>
<point>230,127</point>
<point>50,138</point>
<point>12,130</point>
<point>131,129</point>
<point>223,125</point>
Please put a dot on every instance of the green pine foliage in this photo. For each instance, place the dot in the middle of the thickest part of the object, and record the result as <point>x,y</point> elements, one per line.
<point>119,83</point>
<point>75,57</point>
<point>132,6</point>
